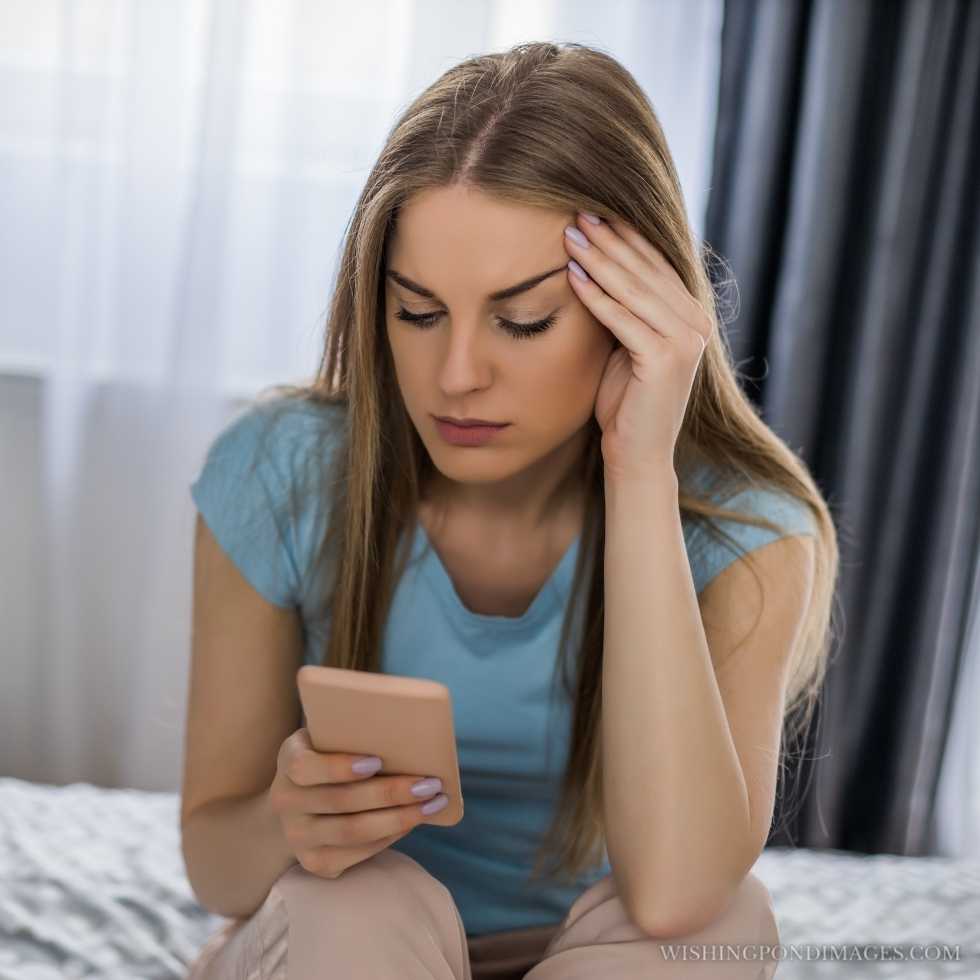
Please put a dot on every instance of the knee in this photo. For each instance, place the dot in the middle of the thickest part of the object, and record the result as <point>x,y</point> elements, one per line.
<point>754,925</point>
<point>757,900</point>
<point>748,917</point>
<point>374,918</point>
<point>390,884</point>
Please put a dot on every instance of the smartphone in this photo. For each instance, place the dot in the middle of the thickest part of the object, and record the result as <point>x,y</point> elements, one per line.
<point>406,721</point>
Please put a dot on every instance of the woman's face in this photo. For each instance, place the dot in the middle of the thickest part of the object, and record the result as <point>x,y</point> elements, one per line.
<point>463,361</point>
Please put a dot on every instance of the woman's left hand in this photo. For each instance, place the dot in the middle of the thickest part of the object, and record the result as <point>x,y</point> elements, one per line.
<point>635,292</point>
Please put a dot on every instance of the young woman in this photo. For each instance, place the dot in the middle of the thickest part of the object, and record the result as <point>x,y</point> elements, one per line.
<point>521,255</point>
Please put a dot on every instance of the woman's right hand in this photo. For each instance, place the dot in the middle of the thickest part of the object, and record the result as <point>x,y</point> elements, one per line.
<point>333,818</point>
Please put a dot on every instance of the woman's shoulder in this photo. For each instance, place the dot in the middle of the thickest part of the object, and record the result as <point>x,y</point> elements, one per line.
<point>283,421</point>
<point>711,552</point>
<point>285,435</point>
<point>261,489</point>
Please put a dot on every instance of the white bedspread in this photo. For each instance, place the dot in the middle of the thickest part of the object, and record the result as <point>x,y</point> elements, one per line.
<point>92,885</point>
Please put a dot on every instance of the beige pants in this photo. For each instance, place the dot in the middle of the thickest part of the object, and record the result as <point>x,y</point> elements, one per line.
<point>387,917</point>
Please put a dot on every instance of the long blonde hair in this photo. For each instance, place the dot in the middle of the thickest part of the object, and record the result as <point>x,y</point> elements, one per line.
<point>560,126</point>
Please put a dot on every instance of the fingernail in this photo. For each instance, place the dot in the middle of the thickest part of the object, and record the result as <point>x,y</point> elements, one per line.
<point>367,765</point>
<point>426,787</point>
<point>590,217</point>
<point>577,270</point>
<point>434,806</point>
<point>576,236</point>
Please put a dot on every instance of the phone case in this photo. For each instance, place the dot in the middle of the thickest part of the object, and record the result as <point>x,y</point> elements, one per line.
<point>406,721</point>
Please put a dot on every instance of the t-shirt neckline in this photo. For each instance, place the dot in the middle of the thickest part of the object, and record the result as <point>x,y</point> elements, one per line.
<point>551,594</point>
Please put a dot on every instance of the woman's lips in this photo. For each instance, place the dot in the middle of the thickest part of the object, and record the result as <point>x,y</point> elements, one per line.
<point>466,423</point>
<point>468,435</point>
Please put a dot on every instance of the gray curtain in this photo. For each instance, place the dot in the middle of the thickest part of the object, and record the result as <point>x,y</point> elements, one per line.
<point>844,199</point>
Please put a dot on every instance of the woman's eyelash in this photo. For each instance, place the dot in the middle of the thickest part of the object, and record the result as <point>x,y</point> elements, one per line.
<point>424,320</point>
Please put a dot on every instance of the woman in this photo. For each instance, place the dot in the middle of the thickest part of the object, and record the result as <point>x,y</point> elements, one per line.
<point>629,497</point>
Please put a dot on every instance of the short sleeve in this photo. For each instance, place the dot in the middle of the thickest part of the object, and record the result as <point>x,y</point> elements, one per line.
<point>244,493</point>
<point>709,556</point>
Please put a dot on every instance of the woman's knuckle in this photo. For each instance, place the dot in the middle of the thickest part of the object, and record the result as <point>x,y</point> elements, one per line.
<point>333,801</point>
<point>346,832</point>
<point>294,768</point>
<point>276,798</point>
<point>308,861</point>
<point>329,868</point>
<point>634,291</point>
<point>299,832</point>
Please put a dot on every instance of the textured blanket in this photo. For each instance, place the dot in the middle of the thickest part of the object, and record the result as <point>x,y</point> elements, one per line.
<point>92,884</point>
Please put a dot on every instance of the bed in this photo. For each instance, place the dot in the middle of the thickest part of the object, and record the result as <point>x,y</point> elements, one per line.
<point>92,885</point>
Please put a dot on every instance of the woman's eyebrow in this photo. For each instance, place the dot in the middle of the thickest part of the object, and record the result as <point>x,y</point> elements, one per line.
<point>521,287</point>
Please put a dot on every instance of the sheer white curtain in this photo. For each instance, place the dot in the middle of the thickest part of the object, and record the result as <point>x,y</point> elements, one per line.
<point>176,181</point>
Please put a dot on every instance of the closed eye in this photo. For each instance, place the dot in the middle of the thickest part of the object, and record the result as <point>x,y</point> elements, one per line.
<point>519,330</point>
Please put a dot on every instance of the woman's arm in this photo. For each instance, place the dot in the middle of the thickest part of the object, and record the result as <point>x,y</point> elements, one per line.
<point>242,705</point>
<point>675,799</point>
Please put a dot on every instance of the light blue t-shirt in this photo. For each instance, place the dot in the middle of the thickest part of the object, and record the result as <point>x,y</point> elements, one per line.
<point>260,496</point>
